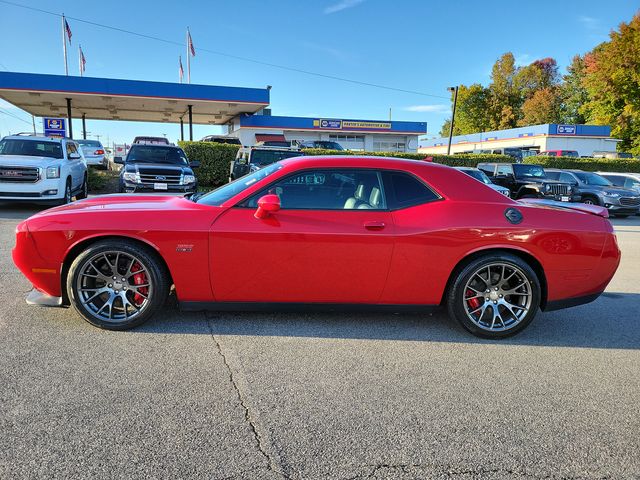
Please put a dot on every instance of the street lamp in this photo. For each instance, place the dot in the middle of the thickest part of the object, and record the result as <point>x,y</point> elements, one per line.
<point>453,90</point>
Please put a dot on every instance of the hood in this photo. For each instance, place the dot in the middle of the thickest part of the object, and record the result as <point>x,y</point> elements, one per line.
<point>158,168</point>
<point>122,202</point>
<point>26,161</point>
<point>623,192</point>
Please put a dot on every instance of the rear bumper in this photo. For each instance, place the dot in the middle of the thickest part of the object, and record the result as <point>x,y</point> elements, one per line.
<point>570,302</point>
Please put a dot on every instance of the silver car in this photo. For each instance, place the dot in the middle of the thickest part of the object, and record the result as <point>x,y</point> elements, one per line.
<point>482,177</point>
<point>94,153</point>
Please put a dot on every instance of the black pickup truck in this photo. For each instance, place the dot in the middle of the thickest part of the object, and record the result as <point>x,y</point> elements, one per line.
<point>528,181</point>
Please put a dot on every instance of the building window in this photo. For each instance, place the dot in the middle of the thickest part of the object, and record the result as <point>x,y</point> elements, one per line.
<point>383,146</point>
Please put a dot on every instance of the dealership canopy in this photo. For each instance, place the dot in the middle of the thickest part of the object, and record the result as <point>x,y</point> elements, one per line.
<point>113,99</point>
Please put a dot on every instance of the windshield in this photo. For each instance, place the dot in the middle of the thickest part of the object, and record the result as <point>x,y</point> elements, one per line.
<point>89,143</point>
<point>478,175</point>
<point>593,179</point>
<point>152,154</point>
<point>528,171</point>
<point>224,193</point>
<point>330,145</point>
<point>30,148</point>
<point>267,157</point>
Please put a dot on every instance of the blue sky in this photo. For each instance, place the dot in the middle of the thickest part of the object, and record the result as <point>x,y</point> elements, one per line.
<point>416,45</point>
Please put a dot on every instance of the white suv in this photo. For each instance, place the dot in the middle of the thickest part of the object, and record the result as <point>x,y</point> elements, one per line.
<point>41,169</point>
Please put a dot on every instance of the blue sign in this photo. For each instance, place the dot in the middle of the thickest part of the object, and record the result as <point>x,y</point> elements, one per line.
<point>566,129</point>
<point>55,127</point>
<point>333,124</point>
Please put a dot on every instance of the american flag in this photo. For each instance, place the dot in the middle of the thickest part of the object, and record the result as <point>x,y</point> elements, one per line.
<point>181,69</point>
<point>192,49</point>
<point>68,29</point>
<point>83,61</point>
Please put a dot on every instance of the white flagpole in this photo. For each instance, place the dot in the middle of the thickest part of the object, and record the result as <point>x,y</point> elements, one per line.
<point>188,56</point>
<point>64,45</point>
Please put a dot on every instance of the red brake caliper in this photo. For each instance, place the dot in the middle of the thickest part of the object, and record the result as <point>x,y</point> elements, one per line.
<point>473,302</point>
<point>139,279</point>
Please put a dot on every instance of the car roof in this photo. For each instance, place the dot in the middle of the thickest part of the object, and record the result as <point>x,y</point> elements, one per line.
<point>358,161</point>
<point>38,138</point>
<point>154,145</point>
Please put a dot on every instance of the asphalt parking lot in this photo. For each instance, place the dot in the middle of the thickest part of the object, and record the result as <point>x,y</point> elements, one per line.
<point>315,396</point>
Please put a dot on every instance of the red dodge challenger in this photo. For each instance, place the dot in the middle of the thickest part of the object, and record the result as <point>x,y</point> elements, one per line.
<point>322,232</point>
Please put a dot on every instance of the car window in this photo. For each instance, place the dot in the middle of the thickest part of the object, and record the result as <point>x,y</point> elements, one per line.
<point>488,169</point>
<point>267,157</point>
<point>631,183</point>
<point>71,149</point>
<point>504,170</point>
<point>616,180</point>
<point>327,189</point>
<point>404,190</point>
<point>567,178</point>
<point>143,153</point>
<point>30,148</point>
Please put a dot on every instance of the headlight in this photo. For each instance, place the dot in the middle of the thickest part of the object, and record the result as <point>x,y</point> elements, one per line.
<point>547,187</point>
<point>612,194</point>
<point>189,179</point>
<point>131,177</point>
<point>53,172</point>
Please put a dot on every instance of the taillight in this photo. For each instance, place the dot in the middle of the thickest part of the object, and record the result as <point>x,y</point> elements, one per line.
<point>99,152</point>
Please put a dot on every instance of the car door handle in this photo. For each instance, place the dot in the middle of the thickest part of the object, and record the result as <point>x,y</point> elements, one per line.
<point>374,225</point>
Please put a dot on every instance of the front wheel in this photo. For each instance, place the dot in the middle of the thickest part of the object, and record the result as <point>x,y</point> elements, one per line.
<point>495,296</point>
<point>84,191</point>
<point>117,285</point>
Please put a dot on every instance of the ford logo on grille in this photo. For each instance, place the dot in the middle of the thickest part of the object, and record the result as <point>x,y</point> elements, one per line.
<point>160,177</point>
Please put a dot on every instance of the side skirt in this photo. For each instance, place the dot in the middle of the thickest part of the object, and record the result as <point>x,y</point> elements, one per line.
<point>303,307</point>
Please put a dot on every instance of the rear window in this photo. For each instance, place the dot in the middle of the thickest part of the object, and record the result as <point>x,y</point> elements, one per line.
<point>404,190</point>
<point>89,143</point>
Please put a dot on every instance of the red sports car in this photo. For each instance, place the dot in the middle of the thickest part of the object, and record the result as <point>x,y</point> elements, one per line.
<point>322,232</point>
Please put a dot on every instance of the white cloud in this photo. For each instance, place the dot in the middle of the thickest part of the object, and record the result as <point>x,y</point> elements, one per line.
<point>428,108</point>
<point>342,5</point>
<point>589,22</point>
<point>522,59</point>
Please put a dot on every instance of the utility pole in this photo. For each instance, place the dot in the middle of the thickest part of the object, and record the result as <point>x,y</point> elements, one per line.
<point>453,90</point>
<point>33,121</point>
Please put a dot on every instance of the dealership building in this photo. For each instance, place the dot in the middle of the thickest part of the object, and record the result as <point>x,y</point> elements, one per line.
<point>363,135</point>
<point>585,139</point>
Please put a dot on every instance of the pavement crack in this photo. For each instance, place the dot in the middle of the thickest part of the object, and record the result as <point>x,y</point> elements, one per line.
<point>271,463</point>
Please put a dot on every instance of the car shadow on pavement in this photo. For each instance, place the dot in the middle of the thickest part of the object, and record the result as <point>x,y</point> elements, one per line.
<point>19,211</point>
<point>612,321</point>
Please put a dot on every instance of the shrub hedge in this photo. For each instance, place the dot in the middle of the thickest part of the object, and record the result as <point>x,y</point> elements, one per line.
<point>588,164</point>
<point>462,160</point>
<point>215,160</point>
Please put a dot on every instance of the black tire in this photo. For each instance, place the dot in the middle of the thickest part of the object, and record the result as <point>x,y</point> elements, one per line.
<point>590,200</point>
<point>155,273</point>
<point>457,302</point>
<point>621,216</point>
<point>84,190</point>
<point>67,194</point>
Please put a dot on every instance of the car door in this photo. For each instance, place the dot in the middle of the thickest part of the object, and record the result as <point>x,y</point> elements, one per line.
<point>330,242</point>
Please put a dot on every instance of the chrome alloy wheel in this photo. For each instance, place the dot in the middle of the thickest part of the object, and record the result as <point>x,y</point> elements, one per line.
<point>497,297</point>
<point>114,286</point>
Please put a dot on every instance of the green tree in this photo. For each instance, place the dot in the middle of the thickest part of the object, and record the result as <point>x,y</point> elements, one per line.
<point>471,112</point>
<point>573,92</point>
<point>444,130</point>
<point>612,82</point>
<point>538,75</point>
<point>504,99</point>
<point>542,107</point>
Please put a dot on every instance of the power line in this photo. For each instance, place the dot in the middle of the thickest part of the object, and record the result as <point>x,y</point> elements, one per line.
<point>228,55</point>
<point>14,116</point>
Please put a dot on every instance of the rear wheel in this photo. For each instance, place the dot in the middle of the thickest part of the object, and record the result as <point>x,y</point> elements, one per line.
<point>117,285</point>
<point>495,296</point>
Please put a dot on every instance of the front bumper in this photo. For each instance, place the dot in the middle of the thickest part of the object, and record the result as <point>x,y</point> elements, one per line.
<point>149,187</point>
<point>561,198</point>
<point>620,206</point>
<point>46,189</point>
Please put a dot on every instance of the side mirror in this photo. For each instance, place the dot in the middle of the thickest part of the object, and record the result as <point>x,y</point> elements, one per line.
<point>194,164</point>
<point>118,160</point>
<point>74,156</point>
<point>267,205</point>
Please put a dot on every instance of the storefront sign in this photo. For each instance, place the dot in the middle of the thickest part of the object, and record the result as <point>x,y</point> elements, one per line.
<point>327,124</point>
<point>55,127</point>
<point>566,129</point>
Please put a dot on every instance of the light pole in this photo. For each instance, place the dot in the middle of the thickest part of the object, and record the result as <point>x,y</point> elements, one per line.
<point>453,90</point>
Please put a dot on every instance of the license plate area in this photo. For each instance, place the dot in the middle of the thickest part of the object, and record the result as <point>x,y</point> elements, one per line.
<point>160,186</point>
